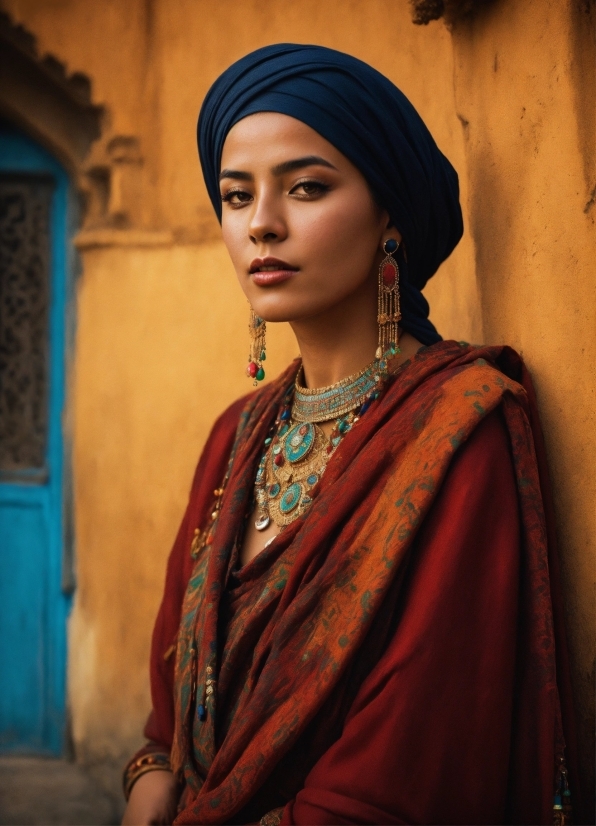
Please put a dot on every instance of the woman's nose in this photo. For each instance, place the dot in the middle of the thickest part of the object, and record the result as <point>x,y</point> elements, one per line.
<point>267,222</point>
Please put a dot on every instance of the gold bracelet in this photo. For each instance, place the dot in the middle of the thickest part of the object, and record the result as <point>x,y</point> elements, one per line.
<point>147,763</point>
<point>272,818</point>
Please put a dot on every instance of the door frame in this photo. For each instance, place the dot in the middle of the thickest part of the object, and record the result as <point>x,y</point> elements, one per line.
<point>27,156</point>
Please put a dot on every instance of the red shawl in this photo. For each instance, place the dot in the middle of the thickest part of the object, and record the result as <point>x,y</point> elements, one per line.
<point>390,657</point>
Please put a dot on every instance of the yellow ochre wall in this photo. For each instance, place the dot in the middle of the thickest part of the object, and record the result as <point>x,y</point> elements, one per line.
<point>161,325</point>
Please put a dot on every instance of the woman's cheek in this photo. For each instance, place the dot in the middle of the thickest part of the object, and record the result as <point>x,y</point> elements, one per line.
<point>234,238</point>
<point>334,241</point>
<point>320,234</point>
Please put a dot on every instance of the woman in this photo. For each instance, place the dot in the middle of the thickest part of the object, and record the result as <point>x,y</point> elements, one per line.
<point>357,624</point>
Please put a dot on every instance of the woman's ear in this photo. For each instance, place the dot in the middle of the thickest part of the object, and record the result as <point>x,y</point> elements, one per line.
<point>391,231</point>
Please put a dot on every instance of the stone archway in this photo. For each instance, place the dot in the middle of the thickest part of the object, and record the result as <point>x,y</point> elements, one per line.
<point>37,95</point>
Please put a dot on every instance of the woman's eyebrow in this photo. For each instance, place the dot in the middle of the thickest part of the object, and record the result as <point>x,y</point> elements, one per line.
<point>236,175</point>
<point>280,168</point>
<point>300,163</point>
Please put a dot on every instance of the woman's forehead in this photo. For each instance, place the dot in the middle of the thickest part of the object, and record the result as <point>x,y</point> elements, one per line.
<point>273,137</point>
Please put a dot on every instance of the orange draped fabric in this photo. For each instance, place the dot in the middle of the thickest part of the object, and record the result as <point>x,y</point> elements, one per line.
<point>390,657</point>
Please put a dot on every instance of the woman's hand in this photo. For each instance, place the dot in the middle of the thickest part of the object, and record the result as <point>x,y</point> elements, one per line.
<point>153,800</point>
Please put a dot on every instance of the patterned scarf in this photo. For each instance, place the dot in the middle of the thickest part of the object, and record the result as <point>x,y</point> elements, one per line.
<point>334,574</point>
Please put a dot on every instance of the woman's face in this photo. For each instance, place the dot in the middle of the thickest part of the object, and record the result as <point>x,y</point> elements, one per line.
<point>299,221</point>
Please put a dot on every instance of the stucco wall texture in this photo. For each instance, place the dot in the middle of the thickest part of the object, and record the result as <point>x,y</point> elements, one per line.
<point>161,329</point>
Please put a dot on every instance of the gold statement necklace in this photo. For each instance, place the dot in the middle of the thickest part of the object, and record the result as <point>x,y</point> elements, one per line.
<point>296,450</point>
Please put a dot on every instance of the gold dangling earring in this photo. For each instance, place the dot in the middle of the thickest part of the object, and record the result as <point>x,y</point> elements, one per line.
<point>389,312</point>
<point>257,355</point>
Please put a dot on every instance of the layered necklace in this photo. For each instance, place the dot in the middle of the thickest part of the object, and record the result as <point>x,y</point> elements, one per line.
<point>296,450</point>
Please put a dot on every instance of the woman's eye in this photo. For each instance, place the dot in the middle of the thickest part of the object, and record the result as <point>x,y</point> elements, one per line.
<point>236,197</point>
<point>309,189</point>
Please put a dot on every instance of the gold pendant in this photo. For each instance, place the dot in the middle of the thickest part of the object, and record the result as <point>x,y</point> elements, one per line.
<point>294,466</point>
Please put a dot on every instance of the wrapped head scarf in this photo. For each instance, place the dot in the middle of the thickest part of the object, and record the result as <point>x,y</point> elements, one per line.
<point>373,124</point>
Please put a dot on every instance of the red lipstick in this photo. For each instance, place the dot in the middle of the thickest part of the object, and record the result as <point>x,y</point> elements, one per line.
<point>268,271</point>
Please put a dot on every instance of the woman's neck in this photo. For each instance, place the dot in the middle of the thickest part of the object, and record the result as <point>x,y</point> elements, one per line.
<point>323,367</point>
<point>338,343</point>
<point>343,340</point>
<point>328,360</point>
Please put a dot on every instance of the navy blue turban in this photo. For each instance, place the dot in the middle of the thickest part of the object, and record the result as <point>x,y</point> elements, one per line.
<point>373,124</point>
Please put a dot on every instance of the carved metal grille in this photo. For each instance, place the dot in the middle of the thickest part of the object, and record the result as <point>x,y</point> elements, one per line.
<point>25,202</point>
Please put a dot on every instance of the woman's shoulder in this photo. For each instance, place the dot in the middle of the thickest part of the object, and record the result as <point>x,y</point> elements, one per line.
<point>227,421</point>
<point>464,375</point>
<point>254,403</point>
<point>219,442</point>
<point>498,357</point>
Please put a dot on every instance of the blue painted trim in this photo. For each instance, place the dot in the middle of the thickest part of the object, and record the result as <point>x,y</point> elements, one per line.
<point>18,153</point>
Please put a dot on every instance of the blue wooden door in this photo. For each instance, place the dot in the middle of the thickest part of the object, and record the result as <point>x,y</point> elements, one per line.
<point>34,203</point>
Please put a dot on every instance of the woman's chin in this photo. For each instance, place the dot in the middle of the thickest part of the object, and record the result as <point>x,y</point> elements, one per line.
<point>276,309</point>
<point>276,317</point>
<point>275,313</point>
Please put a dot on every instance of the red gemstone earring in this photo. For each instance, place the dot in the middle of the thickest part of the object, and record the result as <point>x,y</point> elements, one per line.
<point>389,312</point>
<point>257,355</point>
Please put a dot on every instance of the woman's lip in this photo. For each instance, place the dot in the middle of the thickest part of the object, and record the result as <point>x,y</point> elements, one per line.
<point>268,278</point>
<point>270,261</point>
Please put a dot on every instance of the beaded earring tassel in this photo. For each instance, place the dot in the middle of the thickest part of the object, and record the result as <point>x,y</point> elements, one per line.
<point>389,312</point>
<point>257,355</point>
